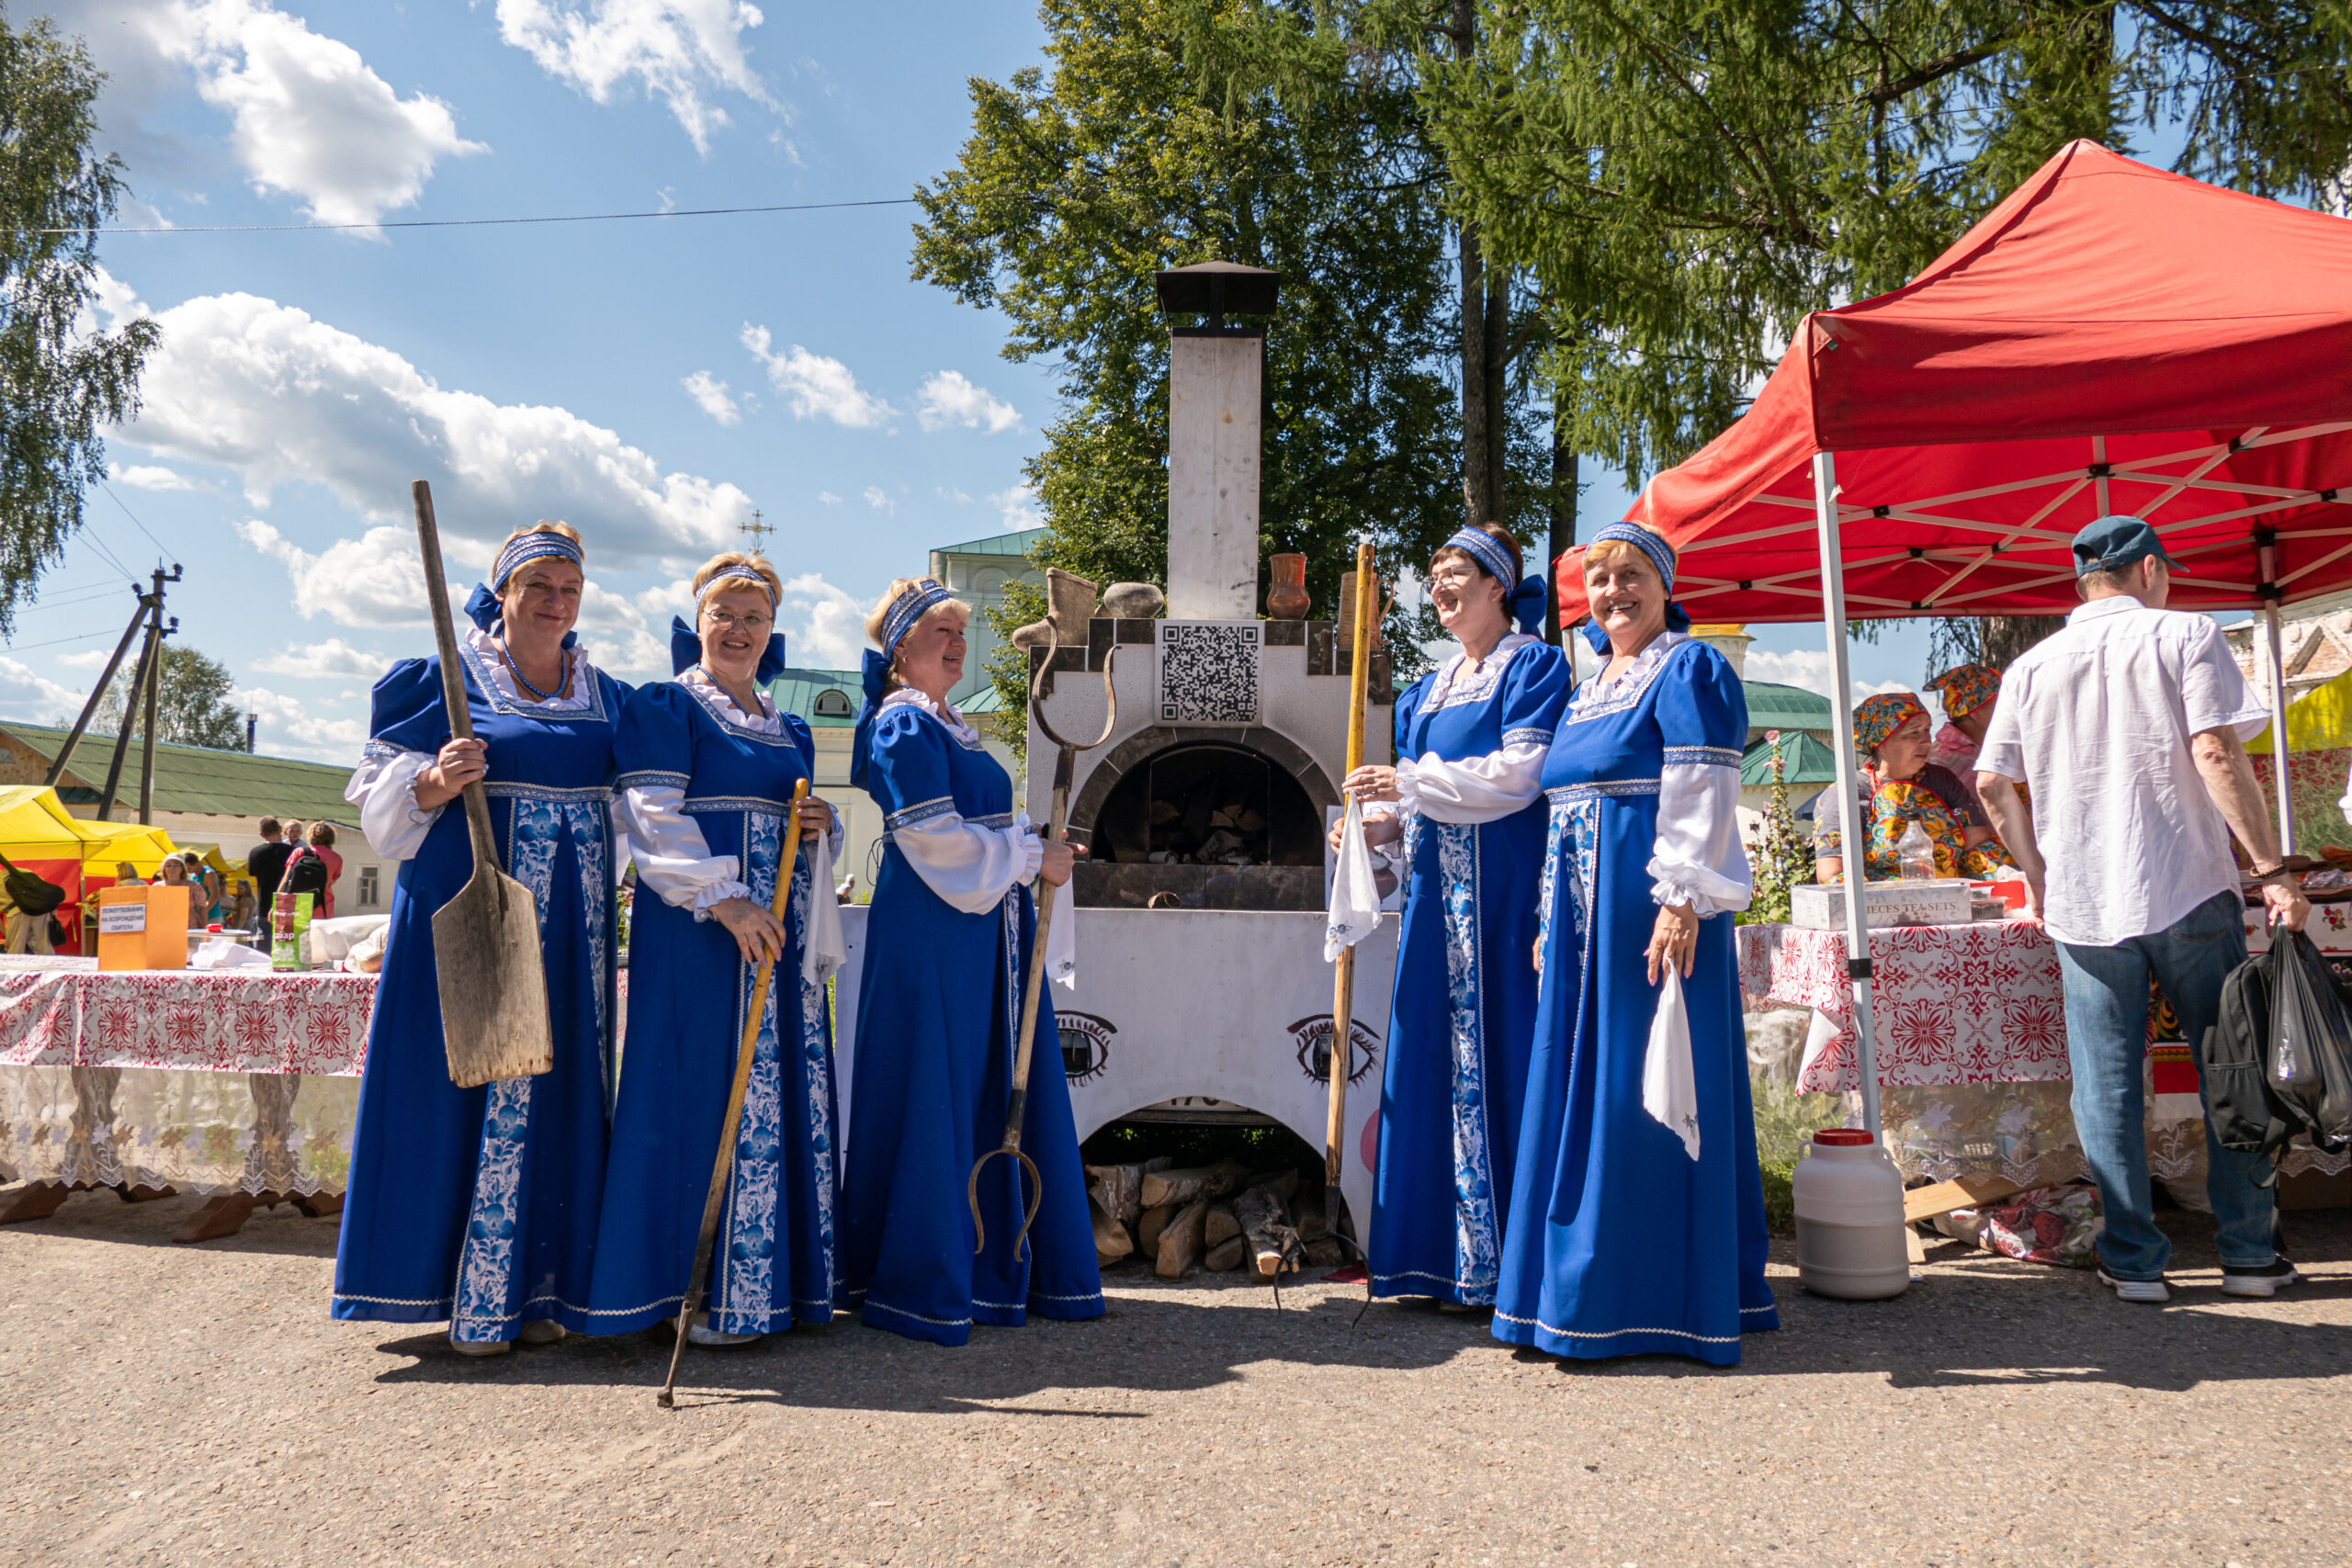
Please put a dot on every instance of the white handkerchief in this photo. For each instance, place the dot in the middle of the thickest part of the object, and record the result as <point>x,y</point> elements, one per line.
<point>1061,941</point>
<point>1670,1086</point>
<point>1356,898</point>
<point>1819,1035</point>
<point>824,948</point>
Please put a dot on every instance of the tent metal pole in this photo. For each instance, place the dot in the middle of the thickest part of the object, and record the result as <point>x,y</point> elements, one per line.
<point>2275,671</point>
<point>2266,543</point>
<point>1849,803</point>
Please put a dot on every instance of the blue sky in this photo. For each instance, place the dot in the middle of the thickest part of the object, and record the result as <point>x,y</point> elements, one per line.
<point>651,382</point>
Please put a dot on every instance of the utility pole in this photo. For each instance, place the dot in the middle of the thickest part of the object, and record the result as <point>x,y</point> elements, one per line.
<point>154,691</point>
<point>97,693</point>
<point>142,694</point>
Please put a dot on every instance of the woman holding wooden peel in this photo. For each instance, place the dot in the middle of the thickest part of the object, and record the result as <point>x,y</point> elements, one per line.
<point>708,766</point>
<point>947,950</point>
<point>1636,1221</point>
<point>478,1206</point>
<point>1466,797</point>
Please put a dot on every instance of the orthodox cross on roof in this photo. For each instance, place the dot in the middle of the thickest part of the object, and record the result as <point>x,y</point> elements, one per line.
<point>756,528</point>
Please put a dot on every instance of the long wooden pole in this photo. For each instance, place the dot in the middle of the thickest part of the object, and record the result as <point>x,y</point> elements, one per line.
<point>1343,983</point>
<point>723,1166</point>
<point>97,693</point>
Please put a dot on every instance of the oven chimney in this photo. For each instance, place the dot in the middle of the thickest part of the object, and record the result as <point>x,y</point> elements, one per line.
<point>1216,378</point>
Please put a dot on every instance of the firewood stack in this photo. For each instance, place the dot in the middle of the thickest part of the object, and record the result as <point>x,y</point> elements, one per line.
<point>1223,1217</point>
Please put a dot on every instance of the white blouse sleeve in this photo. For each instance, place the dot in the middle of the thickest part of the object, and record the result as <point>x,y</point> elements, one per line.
<point>672,857</point>
<point>1698,859</point>
<point>1474,789</point>
<point>384,788</point>
<point>970,868</point>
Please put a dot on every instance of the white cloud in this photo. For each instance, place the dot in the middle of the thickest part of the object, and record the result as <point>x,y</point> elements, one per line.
<point>948,399</point>
<point>301,727</point>
<point>310,119</point>
<point>949,492</point>
<point>1018,507</point>
<point>331,659</point>
<point>828,498</point>
<point>1805,668</point>
<point>817,388</point>
<point>710,394</point>
<point>34,697</point>
<point>879,499</point>
<point>824,627</point>
<point>141,477</point>
<point>672,598</point>
<point>283,399</point>
<point>376,580</point>
<point>617,636</point>
<point>679,51</point>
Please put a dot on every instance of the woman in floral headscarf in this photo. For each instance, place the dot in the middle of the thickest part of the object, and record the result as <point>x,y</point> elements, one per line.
<point>1970,694</point>
<point>1900,787</point>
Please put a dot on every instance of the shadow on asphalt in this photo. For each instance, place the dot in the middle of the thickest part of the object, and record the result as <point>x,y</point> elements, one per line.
<point>102,1215</point>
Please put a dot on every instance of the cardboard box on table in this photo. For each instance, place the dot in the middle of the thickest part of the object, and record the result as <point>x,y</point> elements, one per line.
<point>142,927</point>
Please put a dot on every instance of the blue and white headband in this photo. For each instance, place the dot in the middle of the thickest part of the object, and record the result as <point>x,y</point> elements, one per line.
<point>1660,553</point>
<point>1486,551</point>
<point>1523,599</point>
<point>530,548</point>
<point>1662,556</point>
<point>718,581</point>
<point>906,610</point>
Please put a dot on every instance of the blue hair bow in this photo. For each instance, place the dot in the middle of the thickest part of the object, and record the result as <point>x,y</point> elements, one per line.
<point>874,676</point>
<point>483,610</point>
<point>685,652</point>
<point>1526,602</point>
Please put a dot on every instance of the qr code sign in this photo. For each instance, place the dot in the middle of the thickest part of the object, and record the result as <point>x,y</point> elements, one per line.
<point>1208,672</point>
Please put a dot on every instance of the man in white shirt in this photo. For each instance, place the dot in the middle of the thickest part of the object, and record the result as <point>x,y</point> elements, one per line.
<point>2130,722</point>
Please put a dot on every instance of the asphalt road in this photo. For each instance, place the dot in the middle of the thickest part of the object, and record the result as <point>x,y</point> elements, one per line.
<point>195,1405</point>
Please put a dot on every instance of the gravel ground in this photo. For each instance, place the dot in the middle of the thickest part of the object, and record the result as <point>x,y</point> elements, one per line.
<point>195,1405</point>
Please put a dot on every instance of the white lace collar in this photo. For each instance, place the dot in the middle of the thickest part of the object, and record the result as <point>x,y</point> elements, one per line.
<point>1451,684</point>
<point>949,719</point>
<point>714,695</point>
<point>1632,679</point>
<point>491,663</point>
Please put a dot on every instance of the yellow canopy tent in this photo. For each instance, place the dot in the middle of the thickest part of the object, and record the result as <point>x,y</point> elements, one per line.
<point>38,834</point>
<point>2319,758</point>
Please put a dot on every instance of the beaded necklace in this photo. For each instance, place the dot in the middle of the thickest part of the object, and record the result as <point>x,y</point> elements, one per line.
<point>525,681</point>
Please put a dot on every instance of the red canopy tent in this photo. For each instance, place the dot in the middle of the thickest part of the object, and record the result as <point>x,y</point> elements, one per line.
<point>2110,338</point>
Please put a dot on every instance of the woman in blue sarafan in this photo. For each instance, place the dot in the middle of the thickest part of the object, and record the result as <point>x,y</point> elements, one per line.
<point>1627,1235</point>
<point>947,948</point>
<point>708,766</point>
<point>1471,740</point>
<point>478,1206</point>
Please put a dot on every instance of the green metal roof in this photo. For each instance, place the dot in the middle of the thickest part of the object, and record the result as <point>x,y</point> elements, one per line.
<point>797,691</point>
<point>1804,761</point>
<point>1019,543</point>
<point>198,780</point>
<point>1771,705</point>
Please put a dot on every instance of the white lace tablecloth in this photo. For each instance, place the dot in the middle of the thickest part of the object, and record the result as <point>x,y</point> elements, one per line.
<point>1970,1026</point>
<point>209,1081</point>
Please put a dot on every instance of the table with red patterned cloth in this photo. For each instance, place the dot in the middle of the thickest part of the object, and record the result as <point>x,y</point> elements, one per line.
<point>1977,1003</point>
<point>202,1080</point>
<point>1969,1025</point>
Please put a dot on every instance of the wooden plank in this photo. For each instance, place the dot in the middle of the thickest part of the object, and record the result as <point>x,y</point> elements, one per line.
<point>1966,1192</point>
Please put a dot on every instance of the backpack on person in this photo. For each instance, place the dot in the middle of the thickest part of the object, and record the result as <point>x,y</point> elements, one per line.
<point>306,872</point>
<point>2277,1062</point>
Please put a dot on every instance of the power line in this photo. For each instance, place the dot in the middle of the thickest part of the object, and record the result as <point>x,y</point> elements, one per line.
<point>483,223</point>
<point>134,518</point>
<point>53,642</point>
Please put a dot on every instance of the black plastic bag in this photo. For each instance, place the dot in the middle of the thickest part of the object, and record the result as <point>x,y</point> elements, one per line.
<point>2308,1056</point>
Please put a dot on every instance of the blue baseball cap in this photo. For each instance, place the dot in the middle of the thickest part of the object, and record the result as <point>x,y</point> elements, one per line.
<point>2117,541</point>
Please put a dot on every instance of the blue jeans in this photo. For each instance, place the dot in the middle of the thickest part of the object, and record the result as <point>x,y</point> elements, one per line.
<point>2107,1042</point>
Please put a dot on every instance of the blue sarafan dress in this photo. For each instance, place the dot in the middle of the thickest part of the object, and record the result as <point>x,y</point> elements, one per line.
<point>939,1006</point>
<point>1618,1242</point>
<point>706,795</point>
<point>1471,743</point>
<point>479,1205</point>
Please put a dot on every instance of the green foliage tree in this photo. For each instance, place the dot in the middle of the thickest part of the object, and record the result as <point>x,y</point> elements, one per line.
<point>1143,146</point>
<point>192,708</point>
<point>1688,178</point>
<point>60,379</point>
